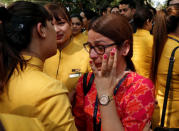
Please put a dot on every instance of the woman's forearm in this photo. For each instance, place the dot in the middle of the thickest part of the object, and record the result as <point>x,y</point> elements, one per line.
<point>110,120</point>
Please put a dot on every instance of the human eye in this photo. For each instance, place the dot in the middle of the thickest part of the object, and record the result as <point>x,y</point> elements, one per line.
<point>61,23</point>
<point>78,24</point>
<point>100,48</point>
<point>125,10</point>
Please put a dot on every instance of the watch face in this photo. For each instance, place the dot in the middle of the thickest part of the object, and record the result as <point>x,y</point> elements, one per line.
<point>104,100</point>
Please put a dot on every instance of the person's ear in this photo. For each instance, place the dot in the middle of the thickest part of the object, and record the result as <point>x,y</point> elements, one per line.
<point>125,48</point>
<point>41,30</point>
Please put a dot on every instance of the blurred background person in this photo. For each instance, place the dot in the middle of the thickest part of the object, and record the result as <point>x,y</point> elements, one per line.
<point>143,42</point>
<point>106,10</point>
<point>166,38</point>
<point>127,8</point>
<point>85,21</point>
<point>76,26</point>
<point>115,10</point>
<point>172,2</point>
<point>88,17</point>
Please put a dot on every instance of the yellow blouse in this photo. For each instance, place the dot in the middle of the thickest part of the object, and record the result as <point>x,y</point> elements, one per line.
<point>20,123</point>
<point>32,93</point>
<point>142,52</point>
<point>69,64</point>
<point>172,112</point>
<point>80,39</point>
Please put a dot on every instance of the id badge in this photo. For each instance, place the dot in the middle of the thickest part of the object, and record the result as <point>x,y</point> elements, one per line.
<point>75,73</point>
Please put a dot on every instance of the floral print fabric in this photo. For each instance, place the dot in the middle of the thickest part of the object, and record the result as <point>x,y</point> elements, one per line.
<point>134,102</point>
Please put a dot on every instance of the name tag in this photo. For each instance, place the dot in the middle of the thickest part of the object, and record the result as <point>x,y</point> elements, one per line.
<point>74,75</point>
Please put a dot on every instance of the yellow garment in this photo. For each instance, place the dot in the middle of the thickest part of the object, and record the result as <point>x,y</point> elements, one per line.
<point>172,112</point>
<point>68,65</point>
<point>33,93</point>
<point>20,123</point>
<point>80,38</point>
<point>85,32</point>
<point>142,52</point>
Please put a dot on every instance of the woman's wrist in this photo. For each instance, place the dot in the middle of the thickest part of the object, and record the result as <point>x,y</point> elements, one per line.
<point>104,100</point>
<point>102,92</point>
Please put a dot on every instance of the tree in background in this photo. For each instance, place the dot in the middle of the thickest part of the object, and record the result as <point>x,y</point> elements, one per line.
<point>78,5</point>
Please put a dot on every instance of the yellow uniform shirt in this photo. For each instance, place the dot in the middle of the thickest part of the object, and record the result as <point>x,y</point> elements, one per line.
<point>68,65</point>
<point>172,111</point>
<point>33,93</point>
<point>85,32</point>
<point>142,52</point>
<point>80,39</point>
<point>11,122</point>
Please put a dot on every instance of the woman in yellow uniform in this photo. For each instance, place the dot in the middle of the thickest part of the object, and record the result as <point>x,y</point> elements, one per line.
<point>71,59</point>
<point>9,122</point>
<point>166,38</point>
<point>27,38</point>
<point>143,42</point>
<point>76,26</point>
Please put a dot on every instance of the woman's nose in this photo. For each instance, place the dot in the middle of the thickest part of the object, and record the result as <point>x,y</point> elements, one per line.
<point>56,27</point>
<point>93,54</point>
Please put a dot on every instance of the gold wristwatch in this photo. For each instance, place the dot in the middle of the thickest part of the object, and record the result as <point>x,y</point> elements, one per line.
<point>105,99</point>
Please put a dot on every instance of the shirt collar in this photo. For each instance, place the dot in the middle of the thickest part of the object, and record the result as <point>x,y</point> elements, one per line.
<point>34,61</point>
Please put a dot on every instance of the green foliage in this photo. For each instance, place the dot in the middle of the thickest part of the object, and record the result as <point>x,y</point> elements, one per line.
<point>78,5</point>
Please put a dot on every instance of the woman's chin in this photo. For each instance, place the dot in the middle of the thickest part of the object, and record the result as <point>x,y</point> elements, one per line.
<point>60,42</point>
<point>99,68</point>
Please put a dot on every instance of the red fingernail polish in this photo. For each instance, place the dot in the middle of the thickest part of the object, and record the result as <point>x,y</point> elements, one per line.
<point>114,49</point>
<point>91,61</point>
<point>105,56</point>
<point>112,53</point>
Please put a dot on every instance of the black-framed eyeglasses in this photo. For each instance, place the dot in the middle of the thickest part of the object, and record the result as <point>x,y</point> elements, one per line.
<point>99,49</point>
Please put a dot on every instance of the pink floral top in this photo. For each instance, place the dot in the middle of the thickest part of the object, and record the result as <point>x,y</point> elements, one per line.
<point>134,102</point>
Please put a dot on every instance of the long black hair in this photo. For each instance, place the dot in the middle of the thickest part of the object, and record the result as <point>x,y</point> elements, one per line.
<point>16,25</point>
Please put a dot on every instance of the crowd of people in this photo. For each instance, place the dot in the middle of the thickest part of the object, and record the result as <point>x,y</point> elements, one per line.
<point>88,72</point>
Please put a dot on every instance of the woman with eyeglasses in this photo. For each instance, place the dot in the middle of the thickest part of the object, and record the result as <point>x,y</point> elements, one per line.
<point>27,39</point>
<point>118,98</point>
<point>143,42</point>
